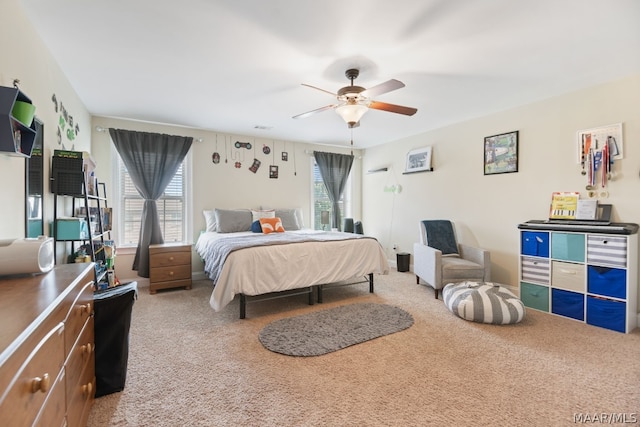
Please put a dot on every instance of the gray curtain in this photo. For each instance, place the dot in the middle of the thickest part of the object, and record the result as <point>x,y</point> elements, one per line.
<point>152,160</point>
<point>334,169</point>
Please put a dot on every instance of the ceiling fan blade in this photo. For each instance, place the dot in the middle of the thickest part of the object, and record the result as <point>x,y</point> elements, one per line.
<point>392,108</point>
<point>312,112</point>
<point>317,88</point>
<point>385,87</point>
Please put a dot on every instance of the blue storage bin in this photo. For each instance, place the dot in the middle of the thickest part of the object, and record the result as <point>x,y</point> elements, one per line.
<point>568,304</point>
<point>535,243</point>
<point>607,281</point>
<point>606,313</point>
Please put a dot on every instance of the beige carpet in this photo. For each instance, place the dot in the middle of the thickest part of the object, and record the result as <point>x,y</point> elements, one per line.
<point>191,366</point>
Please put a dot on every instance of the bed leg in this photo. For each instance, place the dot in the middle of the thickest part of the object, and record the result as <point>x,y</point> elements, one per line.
<point>370,282</point>
<point>319,288</point>
<point>243,306</point>
<point>311,295</point>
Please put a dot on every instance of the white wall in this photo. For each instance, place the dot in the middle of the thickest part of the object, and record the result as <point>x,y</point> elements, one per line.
<point>224,186</point>
<point>25,57</point>
<point>488,209</point>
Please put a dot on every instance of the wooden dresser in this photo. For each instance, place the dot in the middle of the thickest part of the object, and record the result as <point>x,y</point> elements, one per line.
<point>169,266</point>
<point>47,362</point>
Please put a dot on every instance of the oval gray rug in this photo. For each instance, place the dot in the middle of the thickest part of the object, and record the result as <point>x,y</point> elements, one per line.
<point>329,330</point>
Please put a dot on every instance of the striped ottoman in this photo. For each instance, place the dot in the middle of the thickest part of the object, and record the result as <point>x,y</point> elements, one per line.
<point>483,302</point>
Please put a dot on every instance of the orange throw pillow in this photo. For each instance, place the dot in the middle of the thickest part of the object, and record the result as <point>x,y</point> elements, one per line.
<point>271,225</point>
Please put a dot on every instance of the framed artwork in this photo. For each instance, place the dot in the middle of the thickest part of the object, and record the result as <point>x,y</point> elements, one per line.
<point>501,153</point>
<point>418,160</point>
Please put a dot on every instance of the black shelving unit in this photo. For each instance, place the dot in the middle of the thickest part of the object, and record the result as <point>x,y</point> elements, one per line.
<point>67,183</point>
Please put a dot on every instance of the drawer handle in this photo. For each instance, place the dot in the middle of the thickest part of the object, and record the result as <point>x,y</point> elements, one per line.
<point>87,389</point>
<point>87,348</point>
<point>171,258</point>
<point>85,308</point>
<point>171,273</point>
<point>567,271</point>
<point>40,384</point>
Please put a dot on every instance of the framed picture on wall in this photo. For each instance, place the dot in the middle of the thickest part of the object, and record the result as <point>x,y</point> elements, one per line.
<point>418,160</point>
<point>501,153</point>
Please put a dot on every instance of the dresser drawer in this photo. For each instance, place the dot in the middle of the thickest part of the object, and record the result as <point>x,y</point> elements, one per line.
<point>165,259</point>
<point>80,398</point>
<point>79,312</point>
<point>566,275</point>
<point>82,354</point>
<point>33,382</point>
<point>164,274</point>
<point>54,409</point>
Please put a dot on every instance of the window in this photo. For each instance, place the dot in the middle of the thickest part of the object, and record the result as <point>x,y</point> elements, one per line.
<point>321,200</point>
<point>172,207</point>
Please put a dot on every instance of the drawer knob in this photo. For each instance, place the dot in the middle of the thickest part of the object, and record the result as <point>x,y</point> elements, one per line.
<point>87,348</point>
<point>171,258</point>
<point>85,308</point>
<point>87,389</point>
<point>40,384</point>
<point>171,273</point>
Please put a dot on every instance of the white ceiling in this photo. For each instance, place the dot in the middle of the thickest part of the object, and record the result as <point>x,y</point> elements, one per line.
<point>229,66</point>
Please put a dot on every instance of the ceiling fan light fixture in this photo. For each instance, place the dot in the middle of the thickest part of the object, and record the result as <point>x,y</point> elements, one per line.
<point>351,113</point>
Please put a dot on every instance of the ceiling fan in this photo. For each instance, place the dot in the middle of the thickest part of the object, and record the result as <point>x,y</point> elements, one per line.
<point>354,101</point>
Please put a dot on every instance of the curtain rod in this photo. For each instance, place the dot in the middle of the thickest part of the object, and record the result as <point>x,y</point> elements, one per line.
<point>105,130</point>
<point>311,152</point>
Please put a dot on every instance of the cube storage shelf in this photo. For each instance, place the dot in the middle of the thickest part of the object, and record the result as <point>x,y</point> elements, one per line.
<point>590,276</point>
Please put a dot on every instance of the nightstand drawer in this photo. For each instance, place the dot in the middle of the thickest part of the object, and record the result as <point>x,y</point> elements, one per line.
<point>164,259</point>
<point>163,274</point>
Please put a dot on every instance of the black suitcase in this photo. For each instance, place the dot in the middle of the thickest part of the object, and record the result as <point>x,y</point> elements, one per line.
<point>112,320</point>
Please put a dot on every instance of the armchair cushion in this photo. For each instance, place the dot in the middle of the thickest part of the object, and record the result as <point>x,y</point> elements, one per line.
<point>439,234</point>
<point>455,269</point>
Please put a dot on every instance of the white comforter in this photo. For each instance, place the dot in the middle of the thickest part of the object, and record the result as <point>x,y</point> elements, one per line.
<point>263,269</point>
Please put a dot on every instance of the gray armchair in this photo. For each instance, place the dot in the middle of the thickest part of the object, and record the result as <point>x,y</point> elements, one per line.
<point>439,259</point>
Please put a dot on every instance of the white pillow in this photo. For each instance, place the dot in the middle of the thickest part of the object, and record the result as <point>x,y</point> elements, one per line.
<point>210,218</point>
<point>270,213</point>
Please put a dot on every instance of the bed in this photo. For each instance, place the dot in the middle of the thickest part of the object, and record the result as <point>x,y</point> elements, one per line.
<point>258,265</point>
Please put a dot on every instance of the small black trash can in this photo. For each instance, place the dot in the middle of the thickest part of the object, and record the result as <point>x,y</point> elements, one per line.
<point>402,261</point>
<point>112,319</point>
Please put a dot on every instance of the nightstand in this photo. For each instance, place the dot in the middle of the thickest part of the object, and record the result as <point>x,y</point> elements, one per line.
<point>169,266</point>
